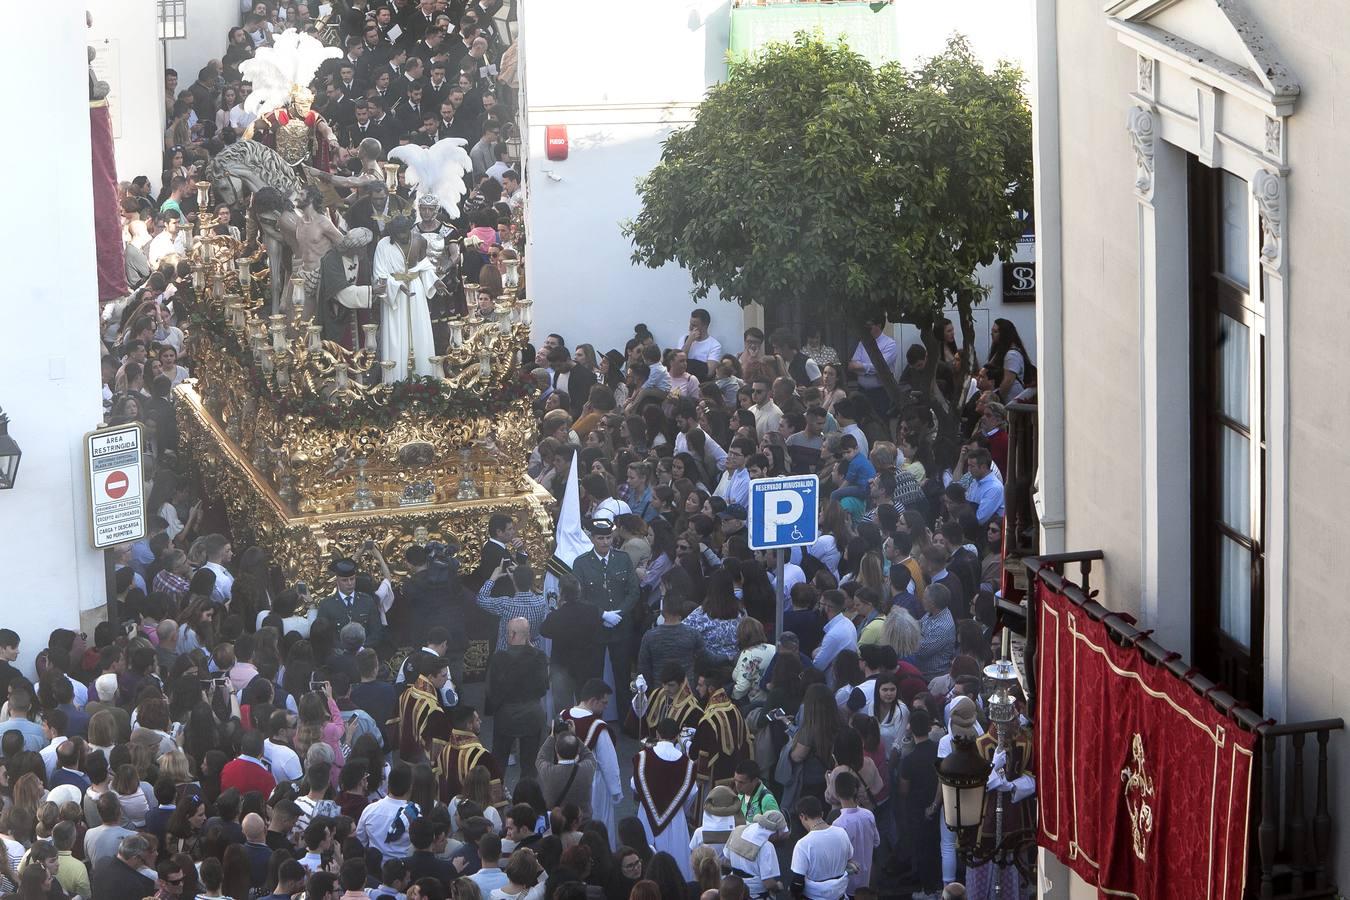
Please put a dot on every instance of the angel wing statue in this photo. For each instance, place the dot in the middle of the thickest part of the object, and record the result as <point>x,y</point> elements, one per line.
<point>438,169</point>
<point>282,101</point>
<point>281,72</point>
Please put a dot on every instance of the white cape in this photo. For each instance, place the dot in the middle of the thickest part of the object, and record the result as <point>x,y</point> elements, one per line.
<point>405,317</point>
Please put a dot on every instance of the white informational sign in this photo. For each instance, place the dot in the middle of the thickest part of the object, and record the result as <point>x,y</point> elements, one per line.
<point>117,505</point>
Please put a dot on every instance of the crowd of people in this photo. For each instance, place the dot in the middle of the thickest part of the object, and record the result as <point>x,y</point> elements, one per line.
<point>232,736</point>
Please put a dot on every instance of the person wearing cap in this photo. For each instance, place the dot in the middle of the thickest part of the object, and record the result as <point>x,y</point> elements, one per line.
<point>609,582</point>
<point>753,858</point>
<point>721,813</point>
<point>962,724</point>
<point>347,604</point>
<point>732,520</point>
<point>663,784</point>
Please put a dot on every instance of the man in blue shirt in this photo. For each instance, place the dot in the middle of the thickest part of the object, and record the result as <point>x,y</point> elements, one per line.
<point>840,635</point>
<point>20,703</point>
<point>985,492</point>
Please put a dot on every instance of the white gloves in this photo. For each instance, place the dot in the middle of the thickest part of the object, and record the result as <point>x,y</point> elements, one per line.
<point>611,618</point>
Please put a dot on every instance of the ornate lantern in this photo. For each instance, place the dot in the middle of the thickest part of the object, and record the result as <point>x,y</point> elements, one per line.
<point>10,454</point>
<point>963,776</point>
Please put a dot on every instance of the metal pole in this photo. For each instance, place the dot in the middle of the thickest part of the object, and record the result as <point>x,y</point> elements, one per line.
<point>778,606</point>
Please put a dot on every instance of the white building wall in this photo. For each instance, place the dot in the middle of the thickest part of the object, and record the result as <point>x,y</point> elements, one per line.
<point>659,58</point>
<point>208,25</point>
<point>123,35</point>
<point>49,370</point>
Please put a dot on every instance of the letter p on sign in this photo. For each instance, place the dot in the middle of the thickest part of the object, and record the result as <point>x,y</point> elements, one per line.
<point>780,508</point>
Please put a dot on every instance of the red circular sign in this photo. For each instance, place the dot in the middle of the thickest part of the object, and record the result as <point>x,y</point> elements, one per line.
<point>116,485</point>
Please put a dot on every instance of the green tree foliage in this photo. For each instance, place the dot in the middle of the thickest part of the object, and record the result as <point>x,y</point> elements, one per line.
<point>809,176</point>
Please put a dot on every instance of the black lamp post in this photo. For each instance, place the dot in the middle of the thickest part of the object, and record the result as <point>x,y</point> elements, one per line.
<point>10,455</point>
<point>963,775</point>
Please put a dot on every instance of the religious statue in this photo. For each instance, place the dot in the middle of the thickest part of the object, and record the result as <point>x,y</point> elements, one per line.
<point>320,249</point>
<point>445,253</point>
<point>402,279</point>
<point>283,102</point>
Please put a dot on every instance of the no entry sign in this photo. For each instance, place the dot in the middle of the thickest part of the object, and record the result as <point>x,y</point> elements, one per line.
<point>116,501</point>
<point>115,485</point>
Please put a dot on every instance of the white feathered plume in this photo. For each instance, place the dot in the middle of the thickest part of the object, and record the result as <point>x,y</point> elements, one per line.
<point>438,169</point>
<point>276,71</point>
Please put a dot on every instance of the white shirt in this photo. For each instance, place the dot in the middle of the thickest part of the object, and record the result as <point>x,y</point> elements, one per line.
<point>858,434</point>
<point>713,448</point>
<point>709,350</point>
<point>239,119</point>
<point>762,867</point>
<point>48,754</point>
<point>170,515</point>
<point>284,761</point>
<point>372,829</point>
<point>821,856</point>
<point>767,417</point>
<point>224,582</point>
<point>161,245</point>
<point>488,880</point>
<point>868,378</point>
<point>734,487</point>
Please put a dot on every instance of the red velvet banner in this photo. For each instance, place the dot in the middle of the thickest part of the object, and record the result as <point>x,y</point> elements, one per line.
<point>1145,787</point>
<point>112,272</point>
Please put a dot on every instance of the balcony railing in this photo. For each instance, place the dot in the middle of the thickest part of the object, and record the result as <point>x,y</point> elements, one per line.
<point>1291,838</point>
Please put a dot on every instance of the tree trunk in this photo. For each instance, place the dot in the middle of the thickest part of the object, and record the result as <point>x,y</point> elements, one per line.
<point>883,370</point>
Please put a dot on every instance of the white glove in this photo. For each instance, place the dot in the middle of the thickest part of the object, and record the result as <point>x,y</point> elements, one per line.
<point>611,618</point>
<point>1000,760</point>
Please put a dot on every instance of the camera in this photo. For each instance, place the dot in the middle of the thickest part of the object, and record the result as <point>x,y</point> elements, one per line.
<point>316,684</point>
<point>442,556</point>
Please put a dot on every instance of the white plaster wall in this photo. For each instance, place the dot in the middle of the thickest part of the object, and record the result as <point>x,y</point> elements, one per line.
<point>126,30</point>
<point>618,114</point>
<point>49,388</point>
<point>1003,30</point>
<point>618,107</point>
<point>208,24</point>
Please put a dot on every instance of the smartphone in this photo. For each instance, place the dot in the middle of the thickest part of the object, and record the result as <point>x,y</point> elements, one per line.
<point>317,684</point>
<point>301,587</point>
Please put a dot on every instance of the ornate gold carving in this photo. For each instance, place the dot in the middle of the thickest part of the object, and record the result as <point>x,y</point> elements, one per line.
<point>1138,791</point>
<point>302,542</point>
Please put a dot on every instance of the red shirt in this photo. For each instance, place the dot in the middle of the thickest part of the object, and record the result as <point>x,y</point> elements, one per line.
<point>246,775</point>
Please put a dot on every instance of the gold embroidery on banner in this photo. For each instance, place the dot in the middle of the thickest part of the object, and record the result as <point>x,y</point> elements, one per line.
<point>1138,791</point>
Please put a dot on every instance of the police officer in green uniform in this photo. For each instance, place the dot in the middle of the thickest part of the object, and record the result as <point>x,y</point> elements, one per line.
<point>609,582</point>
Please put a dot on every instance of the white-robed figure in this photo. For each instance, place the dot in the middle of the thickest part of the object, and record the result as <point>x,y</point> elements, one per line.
<point>403,278</point>
<point>663,783</point>
<point>588,723</point>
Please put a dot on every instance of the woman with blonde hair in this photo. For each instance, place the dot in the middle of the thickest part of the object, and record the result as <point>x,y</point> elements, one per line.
<point>103,732</point>
<point>902,632</point>
<point>175,765</point>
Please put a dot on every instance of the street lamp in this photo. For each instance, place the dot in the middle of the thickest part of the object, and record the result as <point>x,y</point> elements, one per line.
<point>9,455</point>
<point>963,776</point>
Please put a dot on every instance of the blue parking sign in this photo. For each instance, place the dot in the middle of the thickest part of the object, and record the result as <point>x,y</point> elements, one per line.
<point>783,511</point>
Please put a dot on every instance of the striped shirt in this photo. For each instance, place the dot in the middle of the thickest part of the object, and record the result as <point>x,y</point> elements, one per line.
<point>522,604</point>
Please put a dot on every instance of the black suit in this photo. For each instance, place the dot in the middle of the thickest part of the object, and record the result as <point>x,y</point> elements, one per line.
<point>580,380</point>
<point>115,880</point>
<point>425,864</point>
<point>352,134</point>
<point>960,595</point>
<point>364,610</point>
<point>493,553</point>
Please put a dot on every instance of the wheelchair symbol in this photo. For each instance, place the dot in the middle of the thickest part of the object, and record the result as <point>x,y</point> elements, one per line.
<point>796,533</point>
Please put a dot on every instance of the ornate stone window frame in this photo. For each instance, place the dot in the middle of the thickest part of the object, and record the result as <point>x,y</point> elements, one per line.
<point>1232,115</point>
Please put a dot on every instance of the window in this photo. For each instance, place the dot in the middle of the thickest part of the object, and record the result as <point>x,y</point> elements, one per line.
<point>172,19</point>
<point>1228,451</point>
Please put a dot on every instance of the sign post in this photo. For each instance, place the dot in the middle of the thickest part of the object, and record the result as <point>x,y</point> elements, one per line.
<point>783,514</point>
<point>112,458</point>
